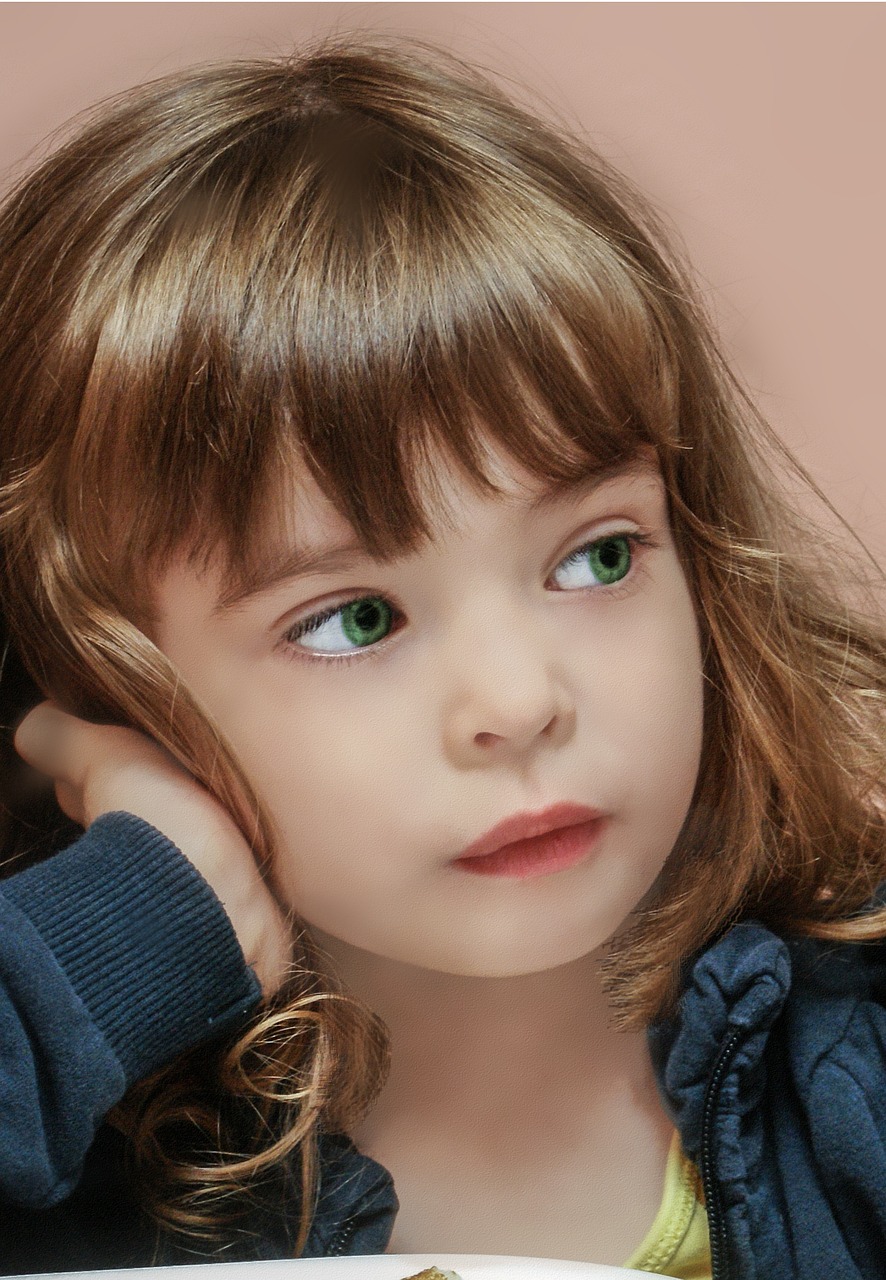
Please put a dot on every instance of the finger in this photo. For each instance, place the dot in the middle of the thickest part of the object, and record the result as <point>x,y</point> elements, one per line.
<point>40,739</point>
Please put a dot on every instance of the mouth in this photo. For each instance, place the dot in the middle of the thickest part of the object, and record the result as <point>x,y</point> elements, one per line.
<point>533,844</point>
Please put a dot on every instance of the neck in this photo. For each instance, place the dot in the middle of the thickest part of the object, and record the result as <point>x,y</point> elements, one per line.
<point>462,1043</point>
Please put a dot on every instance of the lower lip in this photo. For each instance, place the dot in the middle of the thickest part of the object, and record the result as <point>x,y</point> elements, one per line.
<point>539,855</point>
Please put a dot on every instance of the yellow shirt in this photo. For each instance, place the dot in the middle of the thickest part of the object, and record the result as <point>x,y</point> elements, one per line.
<point>677,1243</point>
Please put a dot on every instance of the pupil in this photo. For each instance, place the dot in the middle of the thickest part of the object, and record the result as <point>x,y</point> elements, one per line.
<point>366,616</point>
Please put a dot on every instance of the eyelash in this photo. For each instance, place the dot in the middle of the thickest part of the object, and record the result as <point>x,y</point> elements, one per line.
<point>315,620</point>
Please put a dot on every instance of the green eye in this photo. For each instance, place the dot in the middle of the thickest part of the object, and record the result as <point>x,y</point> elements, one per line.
<point>597,564</point>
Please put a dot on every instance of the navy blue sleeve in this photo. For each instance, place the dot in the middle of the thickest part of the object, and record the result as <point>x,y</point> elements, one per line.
<point>115,956</point>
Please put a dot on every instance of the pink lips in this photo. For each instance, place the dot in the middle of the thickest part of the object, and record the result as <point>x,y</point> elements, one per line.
<point>531,844</point>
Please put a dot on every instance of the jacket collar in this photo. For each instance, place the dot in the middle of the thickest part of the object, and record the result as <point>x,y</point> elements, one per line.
<point>740,983</point>
<point>743,982</point>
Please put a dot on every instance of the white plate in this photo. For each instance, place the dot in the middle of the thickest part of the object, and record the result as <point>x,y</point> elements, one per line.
<point>383,1266</point>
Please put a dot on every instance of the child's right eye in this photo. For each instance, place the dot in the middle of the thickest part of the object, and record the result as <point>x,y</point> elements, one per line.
<point>346,629</point>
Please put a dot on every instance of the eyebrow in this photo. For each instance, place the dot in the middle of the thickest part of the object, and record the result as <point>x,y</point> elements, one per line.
<point>298,562</point>
<point>303,562</point>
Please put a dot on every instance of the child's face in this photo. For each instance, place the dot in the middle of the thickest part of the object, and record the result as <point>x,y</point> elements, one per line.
<point>495,673</point>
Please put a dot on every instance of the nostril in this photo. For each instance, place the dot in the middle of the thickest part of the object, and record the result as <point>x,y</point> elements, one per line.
<point>484,739</point>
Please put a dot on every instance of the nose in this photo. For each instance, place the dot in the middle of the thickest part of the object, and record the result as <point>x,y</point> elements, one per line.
<point>508,699</point>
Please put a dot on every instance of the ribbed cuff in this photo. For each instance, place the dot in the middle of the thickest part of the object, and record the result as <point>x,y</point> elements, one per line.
<point>141,937</point>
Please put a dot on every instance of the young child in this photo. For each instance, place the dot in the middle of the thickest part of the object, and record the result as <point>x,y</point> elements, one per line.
<point>377,512</point>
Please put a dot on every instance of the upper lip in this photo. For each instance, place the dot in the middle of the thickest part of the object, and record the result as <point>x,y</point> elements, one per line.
<point>523,826</point>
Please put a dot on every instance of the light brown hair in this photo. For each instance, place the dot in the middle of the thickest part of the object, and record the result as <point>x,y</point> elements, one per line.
<point>356,260</point>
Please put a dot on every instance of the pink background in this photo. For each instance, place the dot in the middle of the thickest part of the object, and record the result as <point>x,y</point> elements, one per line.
<point>756,128</point>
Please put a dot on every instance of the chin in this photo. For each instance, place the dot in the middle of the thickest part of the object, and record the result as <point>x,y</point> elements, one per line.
<point>515,961</point>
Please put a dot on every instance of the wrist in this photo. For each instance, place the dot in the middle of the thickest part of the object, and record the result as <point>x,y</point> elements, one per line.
<point>141,939</point>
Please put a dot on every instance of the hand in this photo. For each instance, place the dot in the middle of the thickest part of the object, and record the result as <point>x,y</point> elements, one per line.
<point>101,768</point>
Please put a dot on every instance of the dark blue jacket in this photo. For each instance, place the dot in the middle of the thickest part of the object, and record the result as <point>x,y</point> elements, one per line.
<point>773,1071</point>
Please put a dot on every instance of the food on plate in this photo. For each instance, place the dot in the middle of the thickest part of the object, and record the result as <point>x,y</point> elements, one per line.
<point>434,1273</point>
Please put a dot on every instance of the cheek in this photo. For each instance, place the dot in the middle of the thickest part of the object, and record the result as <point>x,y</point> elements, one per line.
<point>327,763</point>
<point>656,704</point>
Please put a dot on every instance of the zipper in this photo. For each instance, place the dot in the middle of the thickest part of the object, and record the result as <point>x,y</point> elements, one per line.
<point>342,1238</point>
<point>720,1269</point>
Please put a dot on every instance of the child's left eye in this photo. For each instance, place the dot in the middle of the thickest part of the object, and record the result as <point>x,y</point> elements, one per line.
<point>601,563</point>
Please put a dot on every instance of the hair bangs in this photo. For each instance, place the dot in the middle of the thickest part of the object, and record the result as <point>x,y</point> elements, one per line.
<point>366,321</point>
